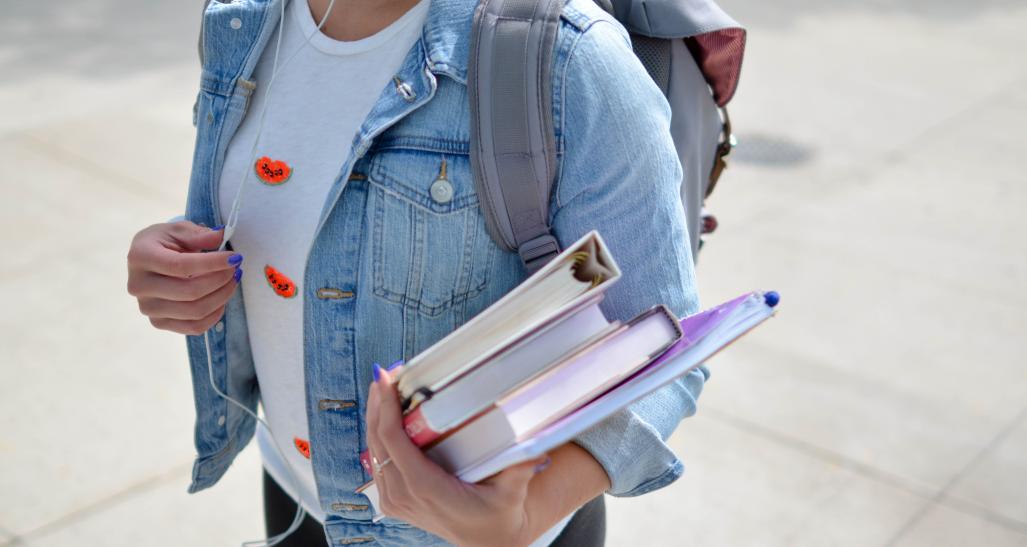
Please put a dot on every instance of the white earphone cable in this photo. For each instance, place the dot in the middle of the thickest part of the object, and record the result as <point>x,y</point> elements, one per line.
<point>229,230</point>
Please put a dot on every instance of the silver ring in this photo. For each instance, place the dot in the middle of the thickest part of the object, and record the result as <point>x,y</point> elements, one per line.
<point>378,466</point>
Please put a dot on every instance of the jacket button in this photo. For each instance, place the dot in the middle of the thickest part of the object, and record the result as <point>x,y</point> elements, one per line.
<point>441,191</point>
<point>235,23</point>
<point>404,90</point>
<point>220,326</point>
<point>221,421</point>
<point>335,404</point>
<point>331,293</point>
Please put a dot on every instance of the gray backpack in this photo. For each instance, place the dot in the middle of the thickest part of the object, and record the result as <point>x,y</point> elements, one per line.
<point>691,49</point>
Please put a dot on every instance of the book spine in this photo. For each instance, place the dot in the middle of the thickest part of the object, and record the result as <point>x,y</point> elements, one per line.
<point>417,428</point>
<point>365,462</point>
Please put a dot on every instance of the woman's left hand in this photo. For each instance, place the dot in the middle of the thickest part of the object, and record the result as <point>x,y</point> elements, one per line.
<point>416,490</point>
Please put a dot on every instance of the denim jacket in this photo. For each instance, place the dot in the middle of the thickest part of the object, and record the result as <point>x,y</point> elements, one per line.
<point>392,269</point>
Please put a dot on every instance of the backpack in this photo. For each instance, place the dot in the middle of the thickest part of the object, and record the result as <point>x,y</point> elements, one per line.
<point>691,49</point>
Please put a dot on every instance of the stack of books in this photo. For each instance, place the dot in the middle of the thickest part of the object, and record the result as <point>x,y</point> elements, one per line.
<point>543,364</point>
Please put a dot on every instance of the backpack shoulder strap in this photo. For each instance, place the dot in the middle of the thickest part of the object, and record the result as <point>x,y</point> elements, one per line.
<point>513,144</point>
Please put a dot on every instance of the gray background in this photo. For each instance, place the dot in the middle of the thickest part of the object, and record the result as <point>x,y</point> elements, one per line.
<point>878,186</point>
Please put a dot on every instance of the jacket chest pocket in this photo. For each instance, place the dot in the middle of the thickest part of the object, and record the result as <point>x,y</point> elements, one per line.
<point>431,251</point>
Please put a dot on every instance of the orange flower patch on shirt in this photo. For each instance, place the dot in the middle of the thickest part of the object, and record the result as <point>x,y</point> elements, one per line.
<point>282,285</point>
<point>302,446</point>
<point>273,172</point>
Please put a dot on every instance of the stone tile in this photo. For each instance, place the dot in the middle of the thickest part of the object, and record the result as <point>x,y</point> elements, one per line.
<point>101,400</point>
<point>65,60</point>
<point>226,514</point>
<point>919,441</point>
<point>49,98</point>
<point>60,208</point>
<point>871,83</point>
<point>740,489</point>
<point>998,482</point>
<point>905,286</point>
<point>945,527</point>
<point>161,150</point>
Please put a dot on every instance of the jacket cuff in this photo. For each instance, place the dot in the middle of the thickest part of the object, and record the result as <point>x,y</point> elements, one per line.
<point>631,445</point>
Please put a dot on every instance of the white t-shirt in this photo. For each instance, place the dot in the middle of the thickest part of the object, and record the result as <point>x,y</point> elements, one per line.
<point>277,220</point>
<point>276,225</point>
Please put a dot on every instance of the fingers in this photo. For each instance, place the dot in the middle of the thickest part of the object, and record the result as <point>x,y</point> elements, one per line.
<point>414,465</point>
<point>189,327</point>
<point>392,492</point>
<point>173,263</point>
<point>188,310</point>
<point>153,285</point>
<point>411,477</point>
<point>194,238</point>
<point>171,250</point>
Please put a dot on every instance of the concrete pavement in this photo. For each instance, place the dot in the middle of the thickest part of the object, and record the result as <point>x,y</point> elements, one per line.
<point>878,186</point>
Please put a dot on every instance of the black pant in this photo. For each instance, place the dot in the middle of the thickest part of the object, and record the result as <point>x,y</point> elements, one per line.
<point>587,527</point>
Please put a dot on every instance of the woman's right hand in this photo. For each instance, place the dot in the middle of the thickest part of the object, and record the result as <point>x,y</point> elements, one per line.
<point>180,287</point>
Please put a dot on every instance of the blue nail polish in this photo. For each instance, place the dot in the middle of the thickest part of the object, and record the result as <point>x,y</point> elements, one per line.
<point>237,275</point>
<point>542,466</point>
<point>771,298</point>
<point>235,259</point>
<point>218,228</point>
<point>377,371</point>
<point>394,365</point>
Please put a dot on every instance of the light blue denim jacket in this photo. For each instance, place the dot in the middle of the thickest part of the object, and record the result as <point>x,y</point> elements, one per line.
<point>409,269</point>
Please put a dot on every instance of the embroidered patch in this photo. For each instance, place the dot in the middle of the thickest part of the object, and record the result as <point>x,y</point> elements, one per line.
<point>273,172</point>
<point>302,446</point>
<point>282,285</point>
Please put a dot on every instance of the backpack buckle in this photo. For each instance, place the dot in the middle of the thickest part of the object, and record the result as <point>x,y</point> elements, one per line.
<point>723,151</point>
<point>536,252</point>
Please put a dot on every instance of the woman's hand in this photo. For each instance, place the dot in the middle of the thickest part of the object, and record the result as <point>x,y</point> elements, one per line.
<point>414,489</point>
<point>179,287</point>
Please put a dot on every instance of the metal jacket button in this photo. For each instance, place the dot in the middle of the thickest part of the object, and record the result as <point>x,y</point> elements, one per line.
<point>404,89</point>
<point>235,23</point>
<point>441,191</point>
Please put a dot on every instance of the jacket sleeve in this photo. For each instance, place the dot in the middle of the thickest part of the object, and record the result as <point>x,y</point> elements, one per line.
<point>620,175</point>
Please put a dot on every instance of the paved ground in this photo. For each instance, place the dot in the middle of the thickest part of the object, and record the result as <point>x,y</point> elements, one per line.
<point>879,187</point>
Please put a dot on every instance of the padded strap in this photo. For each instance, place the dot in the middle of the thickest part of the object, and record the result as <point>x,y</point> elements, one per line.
<point>513,145</point>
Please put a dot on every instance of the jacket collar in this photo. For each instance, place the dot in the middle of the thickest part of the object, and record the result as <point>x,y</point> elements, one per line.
<point>447,36</point>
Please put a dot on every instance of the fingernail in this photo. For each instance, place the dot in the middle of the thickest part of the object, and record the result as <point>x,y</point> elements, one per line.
<point>237,275</point>
<point>394,365</point>
<point>218,228</point>
<point>235,259</point>
<point>542,466</point>
<point>377,371</point>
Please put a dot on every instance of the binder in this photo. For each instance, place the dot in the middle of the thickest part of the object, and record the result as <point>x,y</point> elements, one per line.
<point>562,287</point>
